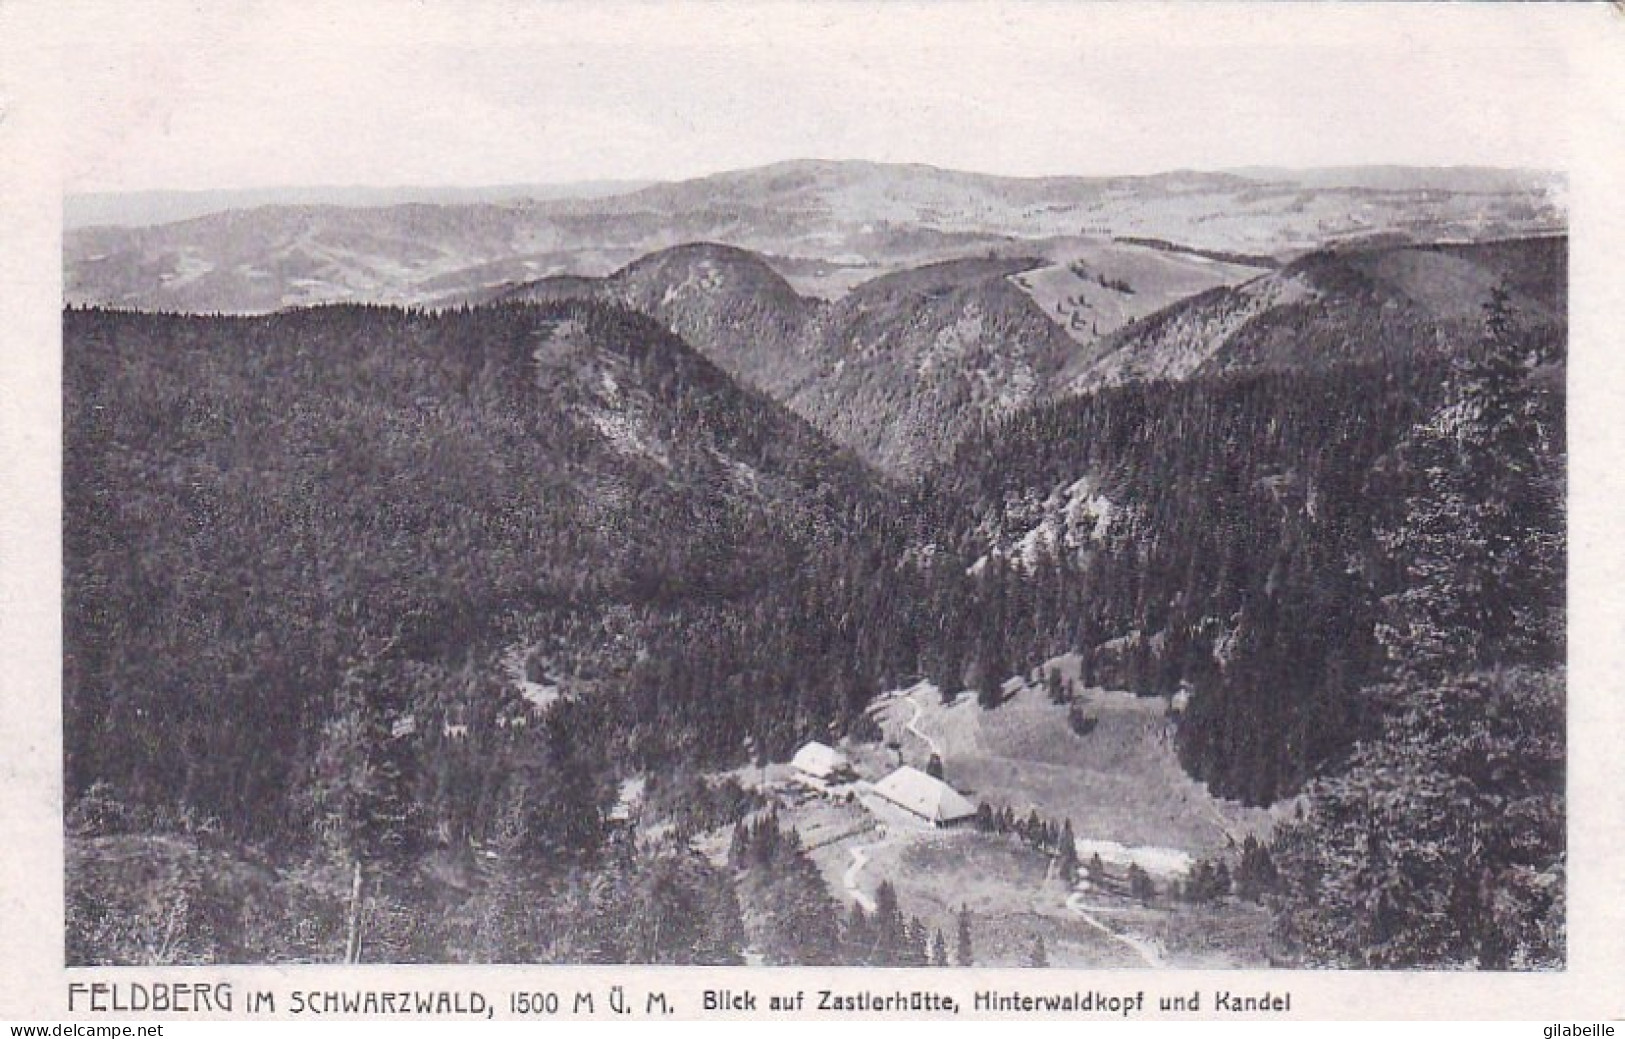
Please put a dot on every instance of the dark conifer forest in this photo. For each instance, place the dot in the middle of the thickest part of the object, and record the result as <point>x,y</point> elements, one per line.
<point>313,560</point>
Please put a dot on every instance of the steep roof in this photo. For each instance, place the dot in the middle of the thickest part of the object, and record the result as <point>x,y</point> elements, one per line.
<point>924,795</point>
<point>817,759</point>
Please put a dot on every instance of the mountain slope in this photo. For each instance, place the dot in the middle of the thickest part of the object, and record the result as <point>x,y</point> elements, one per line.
<point>726,302</point>
<point>1340,305</point>
<point>913,361</point>
<point>249,503</point>
<point>897,370</point>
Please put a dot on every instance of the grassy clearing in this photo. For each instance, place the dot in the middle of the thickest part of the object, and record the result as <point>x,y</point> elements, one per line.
<point>1011,896</point>
<point>1071,292</point>
<point>1119,783</point>
<point>1217,936</point>
<point>1122,782</point>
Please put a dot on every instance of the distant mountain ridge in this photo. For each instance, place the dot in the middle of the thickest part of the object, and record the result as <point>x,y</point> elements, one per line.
<point>829,224</point>
<point>146,208</point>
<point>1473,179</point>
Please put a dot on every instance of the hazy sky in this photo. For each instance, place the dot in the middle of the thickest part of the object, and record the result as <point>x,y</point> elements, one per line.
<point>257,94</point>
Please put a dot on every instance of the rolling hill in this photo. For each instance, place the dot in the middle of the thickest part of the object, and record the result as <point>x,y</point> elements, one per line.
<point>1092,288</point>
<point>828,226</point>
<point>727,302</point>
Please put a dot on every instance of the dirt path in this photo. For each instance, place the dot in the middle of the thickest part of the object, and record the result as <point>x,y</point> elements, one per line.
<point>860,858</point>
<point>915,729</point>
<point>1147,951</point>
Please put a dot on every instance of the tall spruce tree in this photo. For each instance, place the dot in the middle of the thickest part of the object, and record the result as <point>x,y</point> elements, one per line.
<point>1478,545</point>
<point>964,954</point>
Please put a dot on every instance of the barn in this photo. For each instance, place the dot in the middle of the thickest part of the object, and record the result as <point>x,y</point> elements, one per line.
<point>925,796</point>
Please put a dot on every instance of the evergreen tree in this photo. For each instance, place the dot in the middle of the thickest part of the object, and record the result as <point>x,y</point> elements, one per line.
<point>891,936</point>
<point>1255,873</point>
<point>1068,865</point>
<point>939,950</point>
<point>1140,884</point>
<point>1221,879</point>
<point>964,955</point>
<point>1479,541</point>
<point>858,937</point>
<point>985,821</point>
<point>1442,843</point>
<point>1096,868</point>
<point>363,809</point>
<point>918,951</point>
<point>1032,831</point>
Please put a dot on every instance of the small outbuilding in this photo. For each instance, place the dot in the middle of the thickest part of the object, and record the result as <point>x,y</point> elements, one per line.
<point>925,796</point>
<point>820,765</point>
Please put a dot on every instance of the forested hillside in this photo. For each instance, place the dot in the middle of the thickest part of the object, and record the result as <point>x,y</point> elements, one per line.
<point>1335,306</point>
<point>1353,575</point>
<point>416,595</point>
<point>1225,535</point>
<point>897,370</point>
<point>259,507</point>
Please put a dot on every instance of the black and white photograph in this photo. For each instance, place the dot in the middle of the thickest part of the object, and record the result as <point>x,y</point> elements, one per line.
<point>824,485</point>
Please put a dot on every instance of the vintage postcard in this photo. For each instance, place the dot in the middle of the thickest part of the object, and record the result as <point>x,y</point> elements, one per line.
<point>997,510</point>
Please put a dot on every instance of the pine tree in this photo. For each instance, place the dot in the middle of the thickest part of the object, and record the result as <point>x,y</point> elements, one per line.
<point>985,819</point>
<point>891,935</point>
<point>939,950</point>
<point>1442,843</point>
<point>722,930</point>
<point>1479,541</point>
<point>964,955</point>
<point>1255,873</point>
<point>919,944</point>
<point>858,937</point>
<point>363,809</point>
<point>1068,865</point>
<point>1140,884</point>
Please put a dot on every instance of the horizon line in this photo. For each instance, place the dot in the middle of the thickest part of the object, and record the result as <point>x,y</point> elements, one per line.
<point>635,183</point>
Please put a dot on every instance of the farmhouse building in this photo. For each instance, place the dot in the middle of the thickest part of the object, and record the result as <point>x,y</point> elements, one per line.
<point>818,765</point>
<point>925,796</point>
